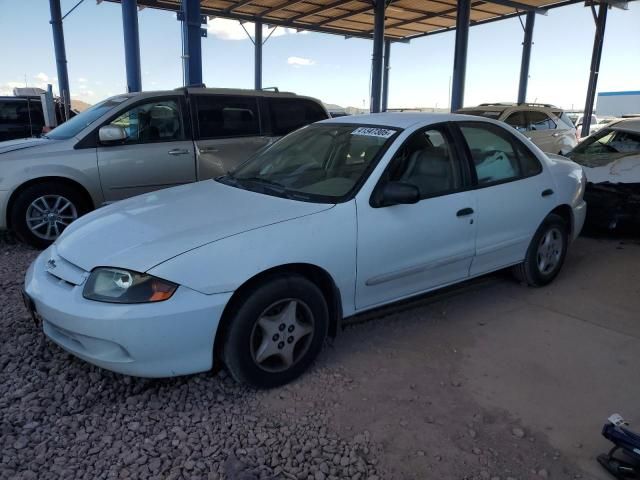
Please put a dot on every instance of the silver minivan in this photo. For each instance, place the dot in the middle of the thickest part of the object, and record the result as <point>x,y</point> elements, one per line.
<point>136,143</point>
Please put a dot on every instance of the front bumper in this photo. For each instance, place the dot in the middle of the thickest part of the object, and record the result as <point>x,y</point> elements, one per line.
<point>4,201</point>
<point>163,339</point>
<point>579,216</point>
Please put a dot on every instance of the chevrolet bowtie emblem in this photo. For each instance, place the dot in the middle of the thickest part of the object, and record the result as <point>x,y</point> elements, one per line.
<point>51,263</point>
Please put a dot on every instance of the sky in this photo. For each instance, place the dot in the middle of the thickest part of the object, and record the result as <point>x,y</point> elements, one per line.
<point>329,67</point>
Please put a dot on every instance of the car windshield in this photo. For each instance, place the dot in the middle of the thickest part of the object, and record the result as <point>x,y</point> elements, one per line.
<point>605,146</point>
<point>319,163</point>
<point>75,125</point>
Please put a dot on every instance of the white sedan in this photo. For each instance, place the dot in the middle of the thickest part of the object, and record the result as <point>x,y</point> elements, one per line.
<point>255,268</point>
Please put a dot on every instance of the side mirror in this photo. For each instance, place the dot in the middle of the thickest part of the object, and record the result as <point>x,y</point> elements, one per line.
<point>397,193</point>
<point>112,134</point>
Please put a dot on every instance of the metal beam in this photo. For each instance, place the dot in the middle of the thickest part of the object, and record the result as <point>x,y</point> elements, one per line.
<point>281,6</point>
<point>345,15</point>
<point>191,42</point>
<point>257,45</point>
<point>385,74</point>
<point>321,10</point>
<point>61,57</point>
<point>526,57</point>
<point>460,56</point>
<point>131,45</point>
<point>376,59</point>
<point>238,5</point>
<point>518,6</point>
<point>598,42</point>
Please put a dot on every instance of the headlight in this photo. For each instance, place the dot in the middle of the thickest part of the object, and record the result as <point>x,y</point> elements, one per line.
<point>115,285</point>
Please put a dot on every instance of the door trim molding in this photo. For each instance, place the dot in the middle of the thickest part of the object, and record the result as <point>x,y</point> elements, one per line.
<point>387,277</point>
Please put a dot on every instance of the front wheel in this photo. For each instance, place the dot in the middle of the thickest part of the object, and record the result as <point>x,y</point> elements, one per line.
<point>42,211</point>
<point>546,253</point>
<point>277,332</point>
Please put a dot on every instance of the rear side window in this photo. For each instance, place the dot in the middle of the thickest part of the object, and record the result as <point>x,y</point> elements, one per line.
<point>14,111</point>
<point>497,156</point>
<point>564,119</point>
<point>289,114</point>
<point>224,116</point>
<point>540,121</point>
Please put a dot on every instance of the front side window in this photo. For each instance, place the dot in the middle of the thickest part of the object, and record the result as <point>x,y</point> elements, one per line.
<point>540,121</point>
<point>76,124</point>
<point>427,160</point>
<point>606,146</point>
<point>152,122</point>
<point>289,114</point>
<point>497,156</point>
<point>225,116</point>
<point>320,163</point>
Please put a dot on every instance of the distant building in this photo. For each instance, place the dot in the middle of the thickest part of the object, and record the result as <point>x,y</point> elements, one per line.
<point>616,104</point>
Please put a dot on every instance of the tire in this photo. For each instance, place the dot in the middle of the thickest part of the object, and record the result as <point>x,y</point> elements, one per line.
<point>278,330</point>
<point>543,263</point>
<point>35,199</point>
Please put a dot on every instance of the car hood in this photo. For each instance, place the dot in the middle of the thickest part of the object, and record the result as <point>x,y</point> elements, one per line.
<point>12,145</point>
<point>142,232</point>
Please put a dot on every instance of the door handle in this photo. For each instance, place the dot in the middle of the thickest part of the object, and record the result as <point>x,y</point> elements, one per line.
<point>547,192</point>
<point>208,150</point>
<point>555,135</point>
<point>464,212</point>
<point>178,151</point>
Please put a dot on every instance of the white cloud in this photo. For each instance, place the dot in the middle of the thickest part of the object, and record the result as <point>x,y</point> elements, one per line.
<point>82,80</point>
<point>43,77</point>
<point>7,88</point>
<point>300,61</point>
<point>227,29</point>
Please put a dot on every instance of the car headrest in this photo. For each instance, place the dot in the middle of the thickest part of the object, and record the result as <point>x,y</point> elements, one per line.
<point>432,161</point>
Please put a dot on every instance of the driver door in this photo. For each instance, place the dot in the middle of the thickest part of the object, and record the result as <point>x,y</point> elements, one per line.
<point>408,249</point>
<point>157,153</point>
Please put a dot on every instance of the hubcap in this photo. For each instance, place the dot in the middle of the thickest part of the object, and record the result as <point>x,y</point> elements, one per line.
<point>49,215</point>
<point>282,335</point>
<point>550,250</point>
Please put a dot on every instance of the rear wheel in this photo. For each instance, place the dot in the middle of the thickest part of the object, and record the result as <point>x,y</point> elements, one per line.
<point>546,253</point>
<point>277,332</point>
<point>42,211</point>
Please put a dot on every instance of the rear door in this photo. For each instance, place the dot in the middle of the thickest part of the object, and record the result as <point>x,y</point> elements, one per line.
<point>228,131</point>
<point>157,153</point>
<point>514,194</point>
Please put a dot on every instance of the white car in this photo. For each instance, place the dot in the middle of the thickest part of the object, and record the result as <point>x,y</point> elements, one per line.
<point>548,126</point>
<point>255,268</point>
<point>611,162</point>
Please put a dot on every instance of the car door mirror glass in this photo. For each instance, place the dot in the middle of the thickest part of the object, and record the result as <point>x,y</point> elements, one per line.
<point>398,193</point>
<point>112,134</point>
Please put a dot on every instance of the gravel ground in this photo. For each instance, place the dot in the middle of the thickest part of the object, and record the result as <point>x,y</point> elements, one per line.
<point>389,399</point>
<point>63,418</point>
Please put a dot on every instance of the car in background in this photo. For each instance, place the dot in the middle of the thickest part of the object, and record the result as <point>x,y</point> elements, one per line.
<point>22,116</point>
<point>611,161</point>
<point>255,268</point>
<point>136,143</point>
<point>594,126</point>
<point>547,126</point>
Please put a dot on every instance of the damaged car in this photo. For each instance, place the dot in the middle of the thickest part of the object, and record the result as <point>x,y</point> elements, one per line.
<point>611,162</point>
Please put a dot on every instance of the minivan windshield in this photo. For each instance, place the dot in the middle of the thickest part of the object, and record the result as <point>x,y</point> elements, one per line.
<point>319,163</point>
<point>75,125</point>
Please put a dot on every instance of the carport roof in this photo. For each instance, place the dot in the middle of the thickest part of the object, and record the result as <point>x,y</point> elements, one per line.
<point>404,19</point>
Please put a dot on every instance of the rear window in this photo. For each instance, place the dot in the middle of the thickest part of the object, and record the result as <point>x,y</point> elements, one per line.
<point>289,114</point>
<point>225,116</point>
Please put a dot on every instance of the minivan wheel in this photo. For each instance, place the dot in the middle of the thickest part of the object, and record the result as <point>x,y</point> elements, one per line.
<point>42,211</point>
<point>277,332</point>
<point>546,253</point>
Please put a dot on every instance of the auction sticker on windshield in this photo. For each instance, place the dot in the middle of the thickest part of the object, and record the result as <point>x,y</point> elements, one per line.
<point>373,132</point>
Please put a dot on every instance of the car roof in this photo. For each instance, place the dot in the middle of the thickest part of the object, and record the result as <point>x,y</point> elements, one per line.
<point>402,119</point>
<point>629,125</point>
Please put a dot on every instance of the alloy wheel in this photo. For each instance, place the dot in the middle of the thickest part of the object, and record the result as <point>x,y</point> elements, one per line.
<point>47,216</point>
